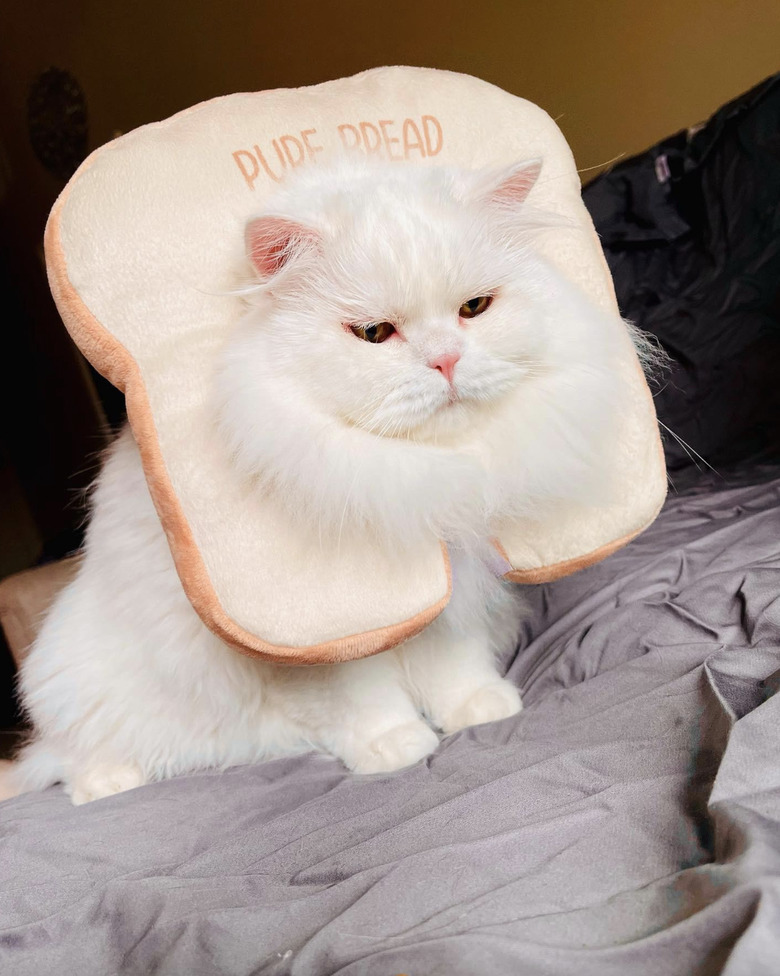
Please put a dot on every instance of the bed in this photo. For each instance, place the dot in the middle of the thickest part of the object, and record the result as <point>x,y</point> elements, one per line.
<point>627,821</point>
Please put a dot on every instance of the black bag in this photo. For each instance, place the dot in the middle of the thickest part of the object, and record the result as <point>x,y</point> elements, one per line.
<point>691,232</point>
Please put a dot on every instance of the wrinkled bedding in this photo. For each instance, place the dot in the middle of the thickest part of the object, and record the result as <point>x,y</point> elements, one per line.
<point>627,822</point>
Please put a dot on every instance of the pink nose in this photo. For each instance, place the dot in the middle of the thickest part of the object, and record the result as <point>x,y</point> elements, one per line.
<point>445,364</point>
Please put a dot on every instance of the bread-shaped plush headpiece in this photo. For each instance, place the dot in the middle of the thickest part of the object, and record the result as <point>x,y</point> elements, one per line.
<point>139,246</point>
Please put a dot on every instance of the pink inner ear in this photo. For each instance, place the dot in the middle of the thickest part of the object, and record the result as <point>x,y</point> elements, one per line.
<point>516,185</point>
<point>272,241</point>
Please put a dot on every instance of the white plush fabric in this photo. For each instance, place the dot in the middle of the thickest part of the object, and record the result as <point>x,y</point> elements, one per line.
<point>142,247</point>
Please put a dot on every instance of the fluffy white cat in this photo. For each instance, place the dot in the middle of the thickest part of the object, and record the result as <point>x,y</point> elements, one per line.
<point>407,362</point>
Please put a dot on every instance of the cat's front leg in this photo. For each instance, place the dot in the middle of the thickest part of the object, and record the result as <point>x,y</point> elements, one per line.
<point>365,717</point>
<point>454,680</point>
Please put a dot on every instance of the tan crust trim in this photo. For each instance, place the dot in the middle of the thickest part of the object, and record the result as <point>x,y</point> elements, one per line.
<point>112,360</point>
<point>547,574</point>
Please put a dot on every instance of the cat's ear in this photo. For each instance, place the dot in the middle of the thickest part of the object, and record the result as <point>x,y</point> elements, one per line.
<point>510,187</point>
<point>272,242</point>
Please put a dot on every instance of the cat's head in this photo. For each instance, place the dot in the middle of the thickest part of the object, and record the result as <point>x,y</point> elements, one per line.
<point>393,298</point>
<point>408,359</point>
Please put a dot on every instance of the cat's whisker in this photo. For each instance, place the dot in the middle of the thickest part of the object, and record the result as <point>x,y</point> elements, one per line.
<point>604,165</point>
<point>692,454</point>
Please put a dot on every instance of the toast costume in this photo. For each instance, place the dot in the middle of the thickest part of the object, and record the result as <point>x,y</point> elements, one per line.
<point>140,247</point>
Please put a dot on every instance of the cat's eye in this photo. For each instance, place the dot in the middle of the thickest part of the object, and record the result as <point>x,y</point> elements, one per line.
<point>374,332</point>
<point>475,306</point>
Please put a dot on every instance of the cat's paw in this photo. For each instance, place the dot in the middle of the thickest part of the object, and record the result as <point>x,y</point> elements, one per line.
<point>104,780</point>
<point>398,747</point>
<point>491,703</point>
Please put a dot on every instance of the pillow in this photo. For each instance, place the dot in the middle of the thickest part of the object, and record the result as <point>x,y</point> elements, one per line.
<point>139,248</point>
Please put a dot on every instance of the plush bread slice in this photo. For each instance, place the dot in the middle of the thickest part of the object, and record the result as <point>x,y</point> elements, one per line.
<point>141,248</point>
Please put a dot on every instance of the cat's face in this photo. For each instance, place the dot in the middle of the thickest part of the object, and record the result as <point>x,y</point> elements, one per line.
<point>398,305</point>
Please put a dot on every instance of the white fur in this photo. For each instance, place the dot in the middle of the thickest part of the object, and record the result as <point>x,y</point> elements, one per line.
<point>125,685</point>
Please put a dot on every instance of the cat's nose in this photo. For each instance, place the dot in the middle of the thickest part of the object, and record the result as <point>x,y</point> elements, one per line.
<point>445,364</point>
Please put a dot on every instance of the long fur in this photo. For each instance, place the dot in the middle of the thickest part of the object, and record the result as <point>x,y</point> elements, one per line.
<point>125,685</point>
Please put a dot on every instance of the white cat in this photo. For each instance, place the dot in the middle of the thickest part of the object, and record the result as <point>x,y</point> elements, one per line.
<point>407,361</point>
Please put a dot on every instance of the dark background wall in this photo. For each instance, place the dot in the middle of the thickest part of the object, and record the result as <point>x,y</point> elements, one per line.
<point>616,74</point>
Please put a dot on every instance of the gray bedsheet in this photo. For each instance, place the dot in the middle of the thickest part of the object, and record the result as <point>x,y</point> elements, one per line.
<point>627,822</point>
